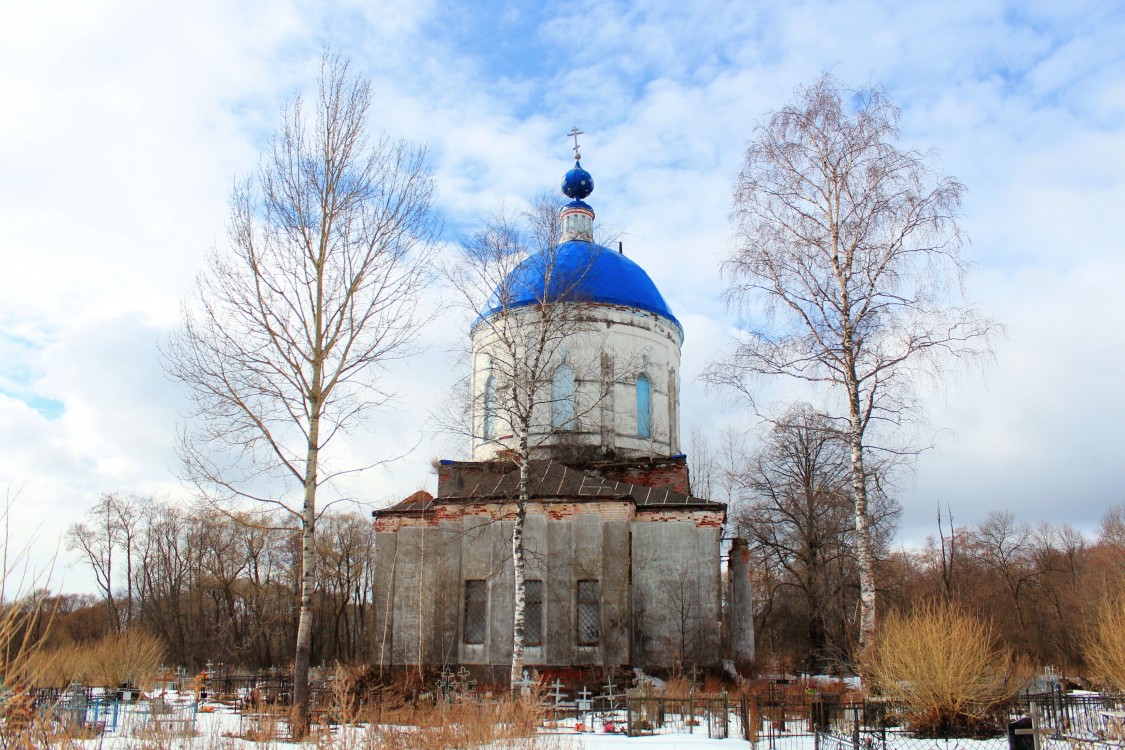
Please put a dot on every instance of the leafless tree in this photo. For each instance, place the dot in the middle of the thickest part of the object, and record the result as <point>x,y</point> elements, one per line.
<point>948,553</point>
<point>718,470</point>
<point>850,245</point>
<point>1005,547</point>
<point>528,303</point>
<point>98,539</point>
<point>800,521</point>
<point>319,288</point>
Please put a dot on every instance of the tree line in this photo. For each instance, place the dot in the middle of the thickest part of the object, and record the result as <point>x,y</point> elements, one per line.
<point>1040,585</point>
<point>216,586</point>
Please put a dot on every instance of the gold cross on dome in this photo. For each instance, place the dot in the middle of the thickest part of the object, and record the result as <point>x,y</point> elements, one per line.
<point>574,133</point>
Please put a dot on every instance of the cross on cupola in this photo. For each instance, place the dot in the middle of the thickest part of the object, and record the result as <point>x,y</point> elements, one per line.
<point>574,133</point>
<point>577,216</point>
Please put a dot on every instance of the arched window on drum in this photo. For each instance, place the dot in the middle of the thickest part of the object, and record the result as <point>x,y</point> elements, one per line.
<point>490,406</point>
<point>644,406</point>
<point>562,398</point>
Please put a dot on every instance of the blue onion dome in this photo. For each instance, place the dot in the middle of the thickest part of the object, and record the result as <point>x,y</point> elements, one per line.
<point>582,272</point>
<point>577,183</point>
<point>578,269</point>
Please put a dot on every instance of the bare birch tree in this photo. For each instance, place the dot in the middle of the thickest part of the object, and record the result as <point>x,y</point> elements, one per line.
<point>319,288</point>
<point>527,294</point>
<point>850,245</point>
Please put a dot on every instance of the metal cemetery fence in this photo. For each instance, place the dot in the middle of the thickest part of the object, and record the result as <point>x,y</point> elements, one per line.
<point>1090,721</point>
<point>693,713</point>
<point>1053,720</point>
<point>826,723</point>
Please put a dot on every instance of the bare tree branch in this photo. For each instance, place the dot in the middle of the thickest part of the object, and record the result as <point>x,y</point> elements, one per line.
<point>329,244</point>
<point>850,245</point>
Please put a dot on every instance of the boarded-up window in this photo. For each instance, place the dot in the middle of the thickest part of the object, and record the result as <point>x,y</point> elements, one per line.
<point>589,622</point>
<point>476,611</point>
<point>533,613</point>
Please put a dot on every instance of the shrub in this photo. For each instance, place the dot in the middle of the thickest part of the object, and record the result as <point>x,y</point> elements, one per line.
<point>132,656</point>
<point>1104,644</point>
<point>946,667</point>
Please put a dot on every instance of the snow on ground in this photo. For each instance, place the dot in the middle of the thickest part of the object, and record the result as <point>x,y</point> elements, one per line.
<point>219,727</point>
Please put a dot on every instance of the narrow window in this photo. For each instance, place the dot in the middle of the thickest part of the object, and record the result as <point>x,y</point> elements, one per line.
<point>533,613</point>
<point>490,407</point>
<point>562,398</point>
<point>644,407</point>
<point>588,619</point>
<point>476,611</point>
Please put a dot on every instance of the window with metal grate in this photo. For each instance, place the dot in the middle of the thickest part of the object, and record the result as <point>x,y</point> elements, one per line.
<point>533,613</point>
<point>589,625</point>
<point>476,611</point>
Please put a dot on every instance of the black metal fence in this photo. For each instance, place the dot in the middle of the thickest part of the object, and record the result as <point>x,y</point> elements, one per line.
<point>1087,720</point>
<point>660,714</point>
<point>1074,720</point>
<point>828,723</point>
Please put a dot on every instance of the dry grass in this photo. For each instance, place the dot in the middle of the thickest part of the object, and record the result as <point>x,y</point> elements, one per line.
<point>506,723</point>
<point>1104,644</point>
<point>947,667</point>
<point>132,656</point>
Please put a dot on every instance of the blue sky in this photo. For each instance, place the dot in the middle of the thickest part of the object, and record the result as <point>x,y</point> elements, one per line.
<point>124,124</point>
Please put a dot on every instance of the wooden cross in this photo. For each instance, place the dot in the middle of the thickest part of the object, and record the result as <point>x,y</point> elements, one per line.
<point>557,693</point>
<point>1036,731</point>
<point>610,695</point>
<point>584,694</point>
<point>574,133</point>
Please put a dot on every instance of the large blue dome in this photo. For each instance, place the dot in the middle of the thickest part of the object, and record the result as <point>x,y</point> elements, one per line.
<point>579,271</point>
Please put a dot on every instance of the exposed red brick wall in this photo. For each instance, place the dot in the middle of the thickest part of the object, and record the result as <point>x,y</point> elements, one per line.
<point>671,473</point>
<point>454,476</point>
<point>701,518</point>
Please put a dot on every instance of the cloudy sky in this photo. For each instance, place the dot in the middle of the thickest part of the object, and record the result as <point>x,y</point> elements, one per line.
<point>124,124</point>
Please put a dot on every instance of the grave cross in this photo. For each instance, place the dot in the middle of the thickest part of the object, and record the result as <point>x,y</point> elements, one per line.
<point>557,693</point>
<point>466,681</point>
<point>524,683</point>
<point>1036,731</point>
<point>610,691</point>
<point>583,700</point>
<point>445,683</point>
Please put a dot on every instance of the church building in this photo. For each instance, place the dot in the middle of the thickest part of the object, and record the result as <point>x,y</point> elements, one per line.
<point>623,564</point>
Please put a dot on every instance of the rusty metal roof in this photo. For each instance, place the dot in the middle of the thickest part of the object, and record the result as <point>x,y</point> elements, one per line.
<point>550,482</point>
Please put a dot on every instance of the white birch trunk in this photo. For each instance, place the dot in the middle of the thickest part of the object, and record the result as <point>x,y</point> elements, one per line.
<point>865,558</point>
<point>304,623</point>
<point>519,599</point>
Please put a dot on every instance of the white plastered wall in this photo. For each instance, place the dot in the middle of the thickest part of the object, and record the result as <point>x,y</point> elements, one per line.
<point>607,350</point>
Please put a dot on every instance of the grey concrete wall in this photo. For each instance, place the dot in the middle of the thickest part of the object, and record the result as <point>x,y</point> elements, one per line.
<point>740,616</point>
<point>383,562</point>
<point>659,583</point>
<point>676,602</point>
<point>476,553</point>
<point>559,597</point>
<point>615,576</point>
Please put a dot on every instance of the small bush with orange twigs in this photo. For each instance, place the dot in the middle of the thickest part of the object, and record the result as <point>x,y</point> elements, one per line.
<point>947,668</point>
<point>130,656</point>
<point>1104,643</point>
